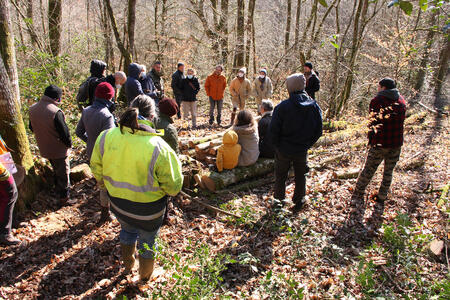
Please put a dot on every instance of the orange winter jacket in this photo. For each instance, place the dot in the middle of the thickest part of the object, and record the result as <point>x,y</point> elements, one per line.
<point>215,86</point>
<point>228,153</point>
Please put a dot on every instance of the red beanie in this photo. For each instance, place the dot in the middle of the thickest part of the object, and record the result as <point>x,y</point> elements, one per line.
<point>168,107</point>
<point>104,91</point>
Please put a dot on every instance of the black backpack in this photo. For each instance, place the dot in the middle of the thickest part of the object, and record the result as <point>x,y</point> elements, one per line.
<point>83,92</point>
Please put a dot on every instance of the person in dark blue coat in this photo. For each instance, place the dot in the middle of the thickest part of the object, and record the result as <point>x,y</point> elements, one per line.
<point>133,87</point>
<point>148,87</point>
<point>296,125</point>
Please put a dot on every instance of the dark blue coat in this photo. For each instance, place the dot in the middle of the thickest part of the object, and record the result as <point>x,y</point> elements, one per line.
<point>148,86</point>
<point>296,124</point>
<point>133,87</point>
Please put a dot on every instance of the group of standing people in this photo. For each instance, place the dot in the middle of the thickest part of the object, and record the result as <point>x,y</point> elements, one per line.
<point>135,160</point>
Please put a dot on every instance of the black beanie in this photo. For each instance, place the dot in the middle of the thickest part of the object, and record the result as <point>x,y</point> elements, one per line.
<point>388,83</point>
<point>54,92</point>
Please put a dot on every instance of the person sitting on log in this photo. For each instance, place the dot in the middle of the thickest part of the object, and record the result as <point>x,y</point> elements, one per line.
<point>265,141</point>
<point>167,109</point>
<point>228,152</point>
<point>247,132</point>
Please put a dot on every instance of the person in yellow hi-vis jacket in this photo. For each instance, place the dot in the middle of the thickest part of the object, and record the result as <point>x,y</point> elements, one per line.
<point>139,170</point>
<point>228,153</point>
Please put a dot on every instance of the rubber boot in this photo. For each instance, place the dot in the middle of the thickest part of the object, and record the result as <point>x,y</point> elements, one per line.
<point>105,216</point>
<point>128,258</point>
<point>146,266</point>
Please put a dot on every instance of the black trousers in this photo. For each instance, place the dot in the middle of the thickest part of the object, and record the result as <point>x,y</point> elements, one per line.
<point>282,165</point>
<point>8,198</point>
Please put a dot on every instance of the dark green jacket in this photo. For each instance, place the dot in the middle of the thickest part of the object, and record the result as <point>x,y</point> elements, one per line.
<point>170,132</point>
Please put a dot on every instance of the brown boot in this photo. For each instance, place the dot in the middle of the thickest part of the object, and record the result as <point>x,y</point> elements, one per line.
<point>128,258</point>
<point>146,266</point>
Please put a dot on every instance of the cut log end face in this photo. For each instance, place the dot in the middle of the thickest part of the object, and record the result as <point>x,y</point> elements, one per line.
<point>209,183</point>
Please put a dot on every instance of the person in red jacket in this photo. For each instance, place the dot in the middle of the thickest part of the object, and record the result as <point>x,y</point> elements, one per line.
<point>386,119</point>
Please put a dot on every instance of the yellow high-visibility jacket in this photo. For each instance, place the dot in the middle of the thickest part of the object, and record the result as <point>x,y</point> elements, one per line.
<point>138,170</point>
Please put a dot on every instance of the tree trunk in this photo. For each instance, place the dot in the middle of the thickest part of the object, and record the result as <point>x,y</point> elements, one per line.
<point>131,25</point>
<point>306,31</point>
<point>7,49</point>
<point>287,31</point>
<point>32,33</point>
<point>217,181</point>
<point>250,28</point>
<point>54,25</point>
<point>443,69</point>
<point>297,23</point>
<point>120,43</point>
<point>223,30</point>
<point>239,55</point>
<point>12,128</point>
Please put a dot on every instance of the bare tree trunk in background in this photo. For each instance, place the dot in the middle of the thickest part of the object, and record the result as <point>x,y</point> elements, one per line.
<point>7,49</point>
<point>43,14</point>
<point>88,26</point>
<point>54,25</point>
<point>421,73</point>
<point>32,33</point>
<point>250,29</point>
<point>12,128</point>
<point>120,43</point>
<point>306,30</point>
<point>131,26</point>
<point>287,31</point>
<point>223,30</point>
<point>443,69</point>
<point>106,28</point>
<point>239,55</point>
<point>19,26</point>
<point>255,61</point>
<point>297,23</point>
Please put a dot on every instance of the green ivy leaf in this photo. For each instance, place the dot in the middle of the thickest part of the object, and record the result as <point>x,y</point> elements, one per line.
<point>406,6</point>
<point>323,3</point>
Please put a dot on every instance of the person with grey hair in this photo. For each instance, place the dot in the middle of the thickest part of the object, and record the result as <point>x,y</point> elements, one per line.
<point>146,107</point>
<point>265,141</point>
<point>296,125</point>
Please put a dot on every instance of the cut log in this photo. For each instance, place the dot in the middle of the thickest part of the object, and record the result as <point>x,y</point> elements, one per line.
<point>347,174</point>
<point>216,181</point>
<point>213,151</point>
<point>205,146</point>
<point>183,144</point>
<point>197,141</point>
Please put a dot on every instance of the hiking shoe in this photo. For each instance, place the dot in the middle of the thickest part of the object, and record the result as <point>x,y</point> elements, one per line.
<point>298,206</point>
<point>9,240</point>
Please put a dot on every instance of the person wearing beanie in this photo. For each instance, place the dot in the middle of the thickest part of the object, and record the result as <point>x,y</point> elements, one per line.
<point>95,119</point>
<point>262,87</point>
<point>177,85</point>
<point>295,126</point>
<point>85,95</point>
<point>312,80</point>
<point>47,122</point>
<point>240,90</point>
<point>386,119</point>
<point>167,109</point>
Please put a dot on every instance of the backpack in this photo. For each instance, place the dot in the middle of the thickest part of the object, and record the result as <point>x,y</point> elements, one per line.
<point>83,92</point>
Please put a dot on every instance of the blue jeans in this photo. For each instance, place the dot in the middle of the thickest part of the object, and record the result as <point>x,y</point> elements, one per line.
<point>129,235</point>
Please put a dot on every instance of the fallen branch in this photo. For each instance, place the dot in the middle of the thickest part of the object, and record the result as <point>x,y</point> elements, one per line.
<point>216,209</point>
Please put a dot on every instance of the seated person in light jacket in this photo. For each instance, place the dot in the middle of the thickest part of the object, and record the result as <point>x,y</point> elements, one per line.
<point>247,132</point>
<point>228,153</point>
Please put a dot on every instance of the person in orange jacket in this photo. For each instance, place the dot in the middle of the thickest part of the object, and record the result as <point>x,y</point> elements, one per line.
<point>215,86</point>
<point>228,153</point>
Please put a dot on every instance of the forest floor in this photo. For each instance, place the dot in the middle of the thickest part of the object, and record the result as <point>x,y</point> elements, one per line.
<point>267,253</point>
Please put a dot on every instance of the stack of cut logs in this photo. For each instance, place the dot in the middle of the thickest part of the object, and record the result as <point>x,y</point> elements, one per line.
<point>203,149</point>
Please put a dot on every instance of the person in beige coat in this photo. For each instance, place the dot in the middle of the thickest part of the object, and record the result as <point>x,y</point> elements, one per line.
<point>247,131</point>
<point>262,87</point>
<point>240,90</point>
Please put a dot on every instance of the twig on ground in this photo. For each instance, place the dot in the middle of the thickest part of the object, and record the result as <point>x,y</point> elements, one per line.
<point>216,209</point>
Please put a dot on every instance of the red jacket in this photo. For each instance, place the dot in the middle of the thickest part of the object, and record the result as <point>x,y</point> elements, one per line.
<point>387,115</point>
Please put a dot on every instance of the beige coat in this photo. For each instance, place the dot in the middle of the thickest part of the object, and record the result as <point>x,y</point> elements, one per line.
<point>265,93</point>
<point>248,138</point>
<point>240,91</point>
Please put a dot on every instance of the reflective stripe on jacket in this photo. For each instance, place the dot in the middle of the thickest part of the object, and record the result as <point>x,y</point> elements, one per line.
<point>139,167</point>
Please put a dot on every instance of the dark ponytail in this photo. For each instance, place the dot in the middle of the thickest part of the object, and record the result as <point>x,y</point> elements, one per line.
<point>129,119</point>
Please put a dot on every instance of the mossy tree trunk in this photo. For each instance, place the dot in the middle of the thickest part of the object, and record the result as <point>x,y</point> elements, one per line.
<point>54,26</point>
<point>239,57</point>
<point>12,128</point>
